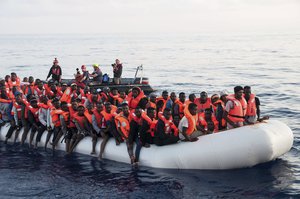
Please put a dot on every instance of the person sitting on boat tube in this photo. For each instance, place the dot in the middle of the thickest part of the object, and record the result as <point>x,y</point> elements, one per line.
<point>97,74</point>
<point>117,70</point>
<point>165,132</point>
<point>55,71</point>
<point>188,129</point>
<point>253,103</point>
<point>134,97</point>
<point>235,109</point>
<point>208,121</point>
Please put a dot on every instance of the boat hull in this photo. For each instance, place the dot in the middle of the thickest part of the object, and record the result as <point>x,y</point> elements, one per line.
<point>237,148</point>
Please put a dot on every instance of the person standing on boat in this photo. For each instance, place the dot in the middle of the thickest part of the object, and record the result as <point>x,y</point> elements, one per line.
<point>55,71</point>
<point>235,109</point>
<point>253,103</point>
<point>117,70</point>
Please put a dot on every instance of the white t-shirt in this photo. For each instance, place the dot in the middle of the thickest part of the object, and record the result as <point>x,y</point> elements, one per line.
<point>183,123</point>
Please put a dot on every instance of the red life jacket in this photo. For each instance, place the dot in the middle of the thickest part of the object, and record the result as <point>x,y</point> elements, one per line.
<point>35,112</point>
<point>72,113</point>
<point>237,113</point>
<point>79,119</point>
<point>123,124</point>
<point>203,121</point>
<point>55,113</point>
<point>18,108</point>
<point>192,121</point>
<point>133,102</point>
<point>202,107</point>
<point>16,83</point>
<point>55,71</point>
<point>100,119</point>
<point>169,125</point>
<point>88,116</point>
<point>251,106</point>
<point>152,123</point>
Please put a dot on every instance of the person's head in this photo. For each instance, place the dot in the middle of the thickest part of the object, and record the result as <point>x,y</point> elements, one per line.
<point>238,92</point>
<point>34,103</point>
<point>18,97</point>
<point>125,108</point>
<point>135,91</point>
<point>143,103</point>
<point>247,91</point>
<point>114,91</point>
<point>83,68</point>
<point>153,98</point>
<point>74,104</point>
<point>74,87</point>
<point>80,110</point>
<point>203,96</point>
<point>173,96</point>
<point>50,82</point>
<point>90,108</point>
<point>193,108</point>
<point>106,89</point>
<point>25,79</point>
<point>31,79</point>
<point>95,66</point>
<point>167,113</point>
<point>223,96</point>
<point>107,107</point>
<point>56,103</point>
<point>182,97</point>
<point>159,104</point>
<point>122,95</point>
<point>7,77</point>
<point>13,76</point>
<point>138,112</point>
<point>165,95</point>
<point>44,99</point>
<point>86,89</point>
<point>99,106</point>
<point>151,112</point>
<point>55,62</point>
<point>40,85</point>
<point>214,98</point>
<point>64,106</point>
<point>118,61</point>
<point>192,97</point>
<point>64,86</point>
<point>53,88</point>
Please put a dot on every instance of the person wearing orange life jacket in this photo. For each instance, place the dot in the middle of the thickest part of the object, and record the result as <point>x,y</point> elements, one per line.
<point>29,89</point>
<point>114,97</point>
<point>188,128</point>
<point>220,108</point>
<point>83,126</point>
<point>55,71</point>
<point>39,89</point>
<point>148,127</point>
<point>69,93</point>
<point>15,123</point>
<point>33,118</point>
<point>253,106</point>
<point>192,98</point>
<point>123,96</point>
<point>6,104</point>
<point>43,118</point>
<point>134,97</point>
<point>235,109</point>
<point>165,131</point>
<point>98,123</point>
<point>203,102</point>
<point>24,116</point>
<point>214,98</point>
<point>152,101</point>
<point>14,81</point>
<point>178,108</point>
<point>92,99</point>
<point>164,98</point>
<point>208,121</point>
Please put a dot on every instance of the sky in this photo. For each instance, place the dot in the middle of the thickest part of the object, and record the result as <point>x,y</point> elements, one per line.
<point>148,16</point>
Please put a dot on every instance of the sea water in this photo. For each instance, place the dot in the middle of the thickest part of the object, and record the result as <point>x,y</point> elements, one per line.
<point>190,63</point>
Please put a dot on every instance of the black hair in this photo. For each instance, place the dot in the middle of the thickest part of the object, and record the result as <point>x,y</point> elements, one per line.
<point>192,106</point>
<point>237,89</point>
<point>167,109</point>
<point>181,93</point>
<point>165,92</point>
<point>247,87</point>
<point>150,109</point>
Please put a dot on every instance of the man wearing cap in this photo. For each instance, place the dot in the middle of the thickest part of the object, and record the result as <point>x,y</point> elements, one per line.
<point>235,109</point>
<point>55,71</point>
<point>97,74</point>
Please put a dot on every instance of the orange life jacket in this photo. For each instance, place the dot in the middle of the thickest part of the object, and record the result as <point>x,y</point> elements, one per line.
<point>16,83</point>
<point>28,88</point>
<point>35,112</point>
<point>123,122</point>
<point>88,116</point>
<point>169,125</point>
<point>182,106</point>
<point>100,119</point>
<point>72,113</point>
<point>55,113</point>
<point>237,113</point>
<point>39,92</point>
<point>18,109</point>
<point>79,119</point>
<point>192,121</point>
<point>251,106</point>
<point>152,123</point>
<point>133,102</point>
<point>202,107</point>
<point>203,121</point>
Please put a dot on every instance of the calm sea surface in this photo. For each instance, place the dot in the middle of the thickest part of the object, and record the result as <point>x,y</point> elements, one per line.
<point>270,63</point>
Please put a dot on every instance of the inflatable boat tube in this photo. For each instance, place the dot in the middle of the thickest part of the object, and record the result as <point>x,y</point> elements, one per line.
<point>237,148</point>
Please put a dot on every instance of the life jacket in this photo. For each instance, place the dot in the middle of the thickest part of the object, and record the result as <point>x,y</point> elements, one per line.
<point>55,113</point>
<point>223,107</point>
<point>68,94</point>
<point>202,107</point>
<point>39,92</point>
<point>169,125</point>
<point>133,117</point>
<point>18,108</point>
<point>16,83</point>
<point>192,121</point>
<point>48,91</point>
<point>104,97</point>
<point>116,98</point>
<point>164,100</point>
<point>100,119</point>
<point>89,97</point>
<point>152,123</point>
<point>237,113</point>
<point>203,121</point>
<point>66,116</point>
<point>152,104</point>
<point>107,116</point>
<point>29,89</point>
<point>79,119</point>
<point>251,106</point>
<point>133,102</point>
<point>88,116</point>
<point>123,122</point>
<point>72,113</point>
<point>182,106</point>
<point>35,112</point>
<point>55,71</point>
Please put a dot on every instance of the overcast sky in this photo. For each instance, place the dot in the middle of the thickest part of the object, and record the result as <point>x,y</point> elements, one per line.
<point>148,16</point>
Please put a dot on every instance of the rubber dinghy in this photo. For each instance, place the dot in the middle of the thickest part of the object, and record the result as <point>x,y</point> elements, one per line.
<point>237,148</point>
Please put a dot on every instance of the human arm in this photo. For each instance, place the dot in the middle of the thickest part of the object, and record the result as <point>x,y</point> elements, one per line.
<point>257,103</point>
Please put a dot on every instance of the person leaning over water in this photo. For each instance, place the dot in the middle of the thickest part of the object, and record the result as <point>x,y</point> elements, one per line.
<point>55,71</point>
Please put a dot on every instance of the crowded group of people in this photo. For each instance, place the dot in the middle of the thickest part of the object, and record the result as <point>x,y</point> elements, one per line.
<point>72,113</point>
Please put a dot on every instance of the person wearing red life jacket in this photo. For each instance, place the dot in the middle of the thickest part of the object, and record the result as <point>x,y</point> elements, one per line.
<point>24,116</point>
<point>164,98</point>
<point>29,89</point>
<point>188,129</point>
<point>83,126</point>
<point>192,98</point>
<point>14,81</point>
<point>148,127</point>
<point>92,99</point>
<point>235,109</point>
<point>208,121</point>
<point>55,71</point>
<point>39,89</point>
<point>253,106</point>
<point>220,108</point>
<point>203,102</point>
<point>69,93</point>
<point>134,97</point>
<point>6,99</point>
<point>152,101</point>
<point>15,123</point>
<point>114,97</point>
<point>165,132</point>
<point>178,108</point>
<point>98,123</point>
